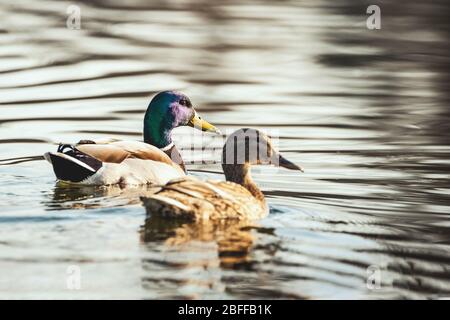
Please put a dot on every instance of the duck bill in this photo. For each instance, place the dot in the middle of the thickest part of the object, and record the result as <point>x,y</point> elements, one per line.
<point>285,163</point>
<point>203,125</point>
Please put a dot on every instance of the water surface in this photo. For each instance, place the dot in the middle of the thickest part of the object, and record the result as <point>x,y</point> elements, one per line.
<point>365,112</point>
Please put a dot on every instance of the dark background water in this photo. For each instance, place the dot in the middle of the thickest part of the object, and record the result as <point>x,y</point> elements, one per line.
<point>366,112</point>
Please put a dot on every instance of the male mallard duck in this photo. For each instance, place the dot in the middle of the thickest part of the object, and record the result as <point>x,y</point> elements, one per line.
<point>156,160</point>
<point>238,197</point>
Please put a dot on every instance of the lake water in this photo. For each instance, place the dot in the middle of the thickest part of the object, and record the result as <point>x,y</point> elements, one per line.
<point>365,112</point>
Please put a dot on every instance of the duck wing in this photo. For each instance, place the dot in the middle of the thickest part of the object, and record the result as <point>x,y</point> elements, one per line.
<point>193,199</point>
<point>117,151</point>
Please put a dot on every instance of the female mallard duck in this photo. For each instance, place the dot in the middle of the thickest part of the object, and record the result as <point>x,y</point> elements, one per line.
<point>156,160</point>
<point>238,197</point>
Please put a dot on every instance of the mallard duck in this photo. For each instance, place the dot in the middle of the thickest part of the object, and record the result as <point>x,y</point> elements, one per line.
<point>238,197</point>
<point>156,160</point>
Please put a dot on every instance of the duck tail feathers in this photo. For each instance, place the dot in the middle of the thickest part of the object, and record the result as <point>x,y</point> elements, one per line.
<point>165,207</point>
<point>72,165</point>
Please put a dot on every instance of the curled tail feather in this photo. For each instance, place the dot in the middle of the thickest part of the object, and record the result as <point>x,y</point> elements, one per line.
<point>72,165</point>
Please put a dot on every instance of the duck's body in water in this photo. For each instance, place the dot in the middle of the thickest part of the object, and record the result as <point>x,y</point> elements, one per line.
<point>236,198</point>
<point>156,160</point>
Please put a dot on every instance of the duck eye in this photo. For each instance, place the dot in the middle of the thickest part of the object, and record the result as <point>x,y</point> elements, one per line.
<point>185,102</point>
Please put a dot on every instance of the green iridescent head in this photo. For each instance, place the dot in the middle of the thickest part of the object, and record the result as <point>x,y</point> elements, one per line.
<point>166,111</point>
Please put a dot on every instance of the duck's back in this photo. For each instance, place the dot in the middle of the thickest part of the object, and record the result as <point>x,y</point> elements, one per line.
<point>115,151</point>
<point>192,199</point>
<point>116,162</point>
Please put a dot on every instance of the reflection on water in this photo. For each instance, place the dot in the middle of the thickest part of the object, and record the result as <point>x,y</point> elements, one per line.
<point>89,197</point>
<point>232,238</point>
<point>364,111</point>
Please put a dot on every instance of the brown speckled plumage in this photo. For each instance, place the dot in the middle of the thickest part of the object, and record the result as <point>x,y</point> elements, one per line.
<point>239,197</point>
<point>193,199</point>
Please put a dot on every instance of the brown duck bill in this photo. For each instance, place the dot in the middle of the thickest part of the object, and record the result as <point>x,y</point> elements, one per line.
<point>285,163</point>
<point>201,124</point>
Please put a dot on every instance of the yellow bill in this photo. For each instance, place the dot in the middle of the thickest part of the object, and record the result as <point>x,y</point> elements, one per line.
<point>198,123</point>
